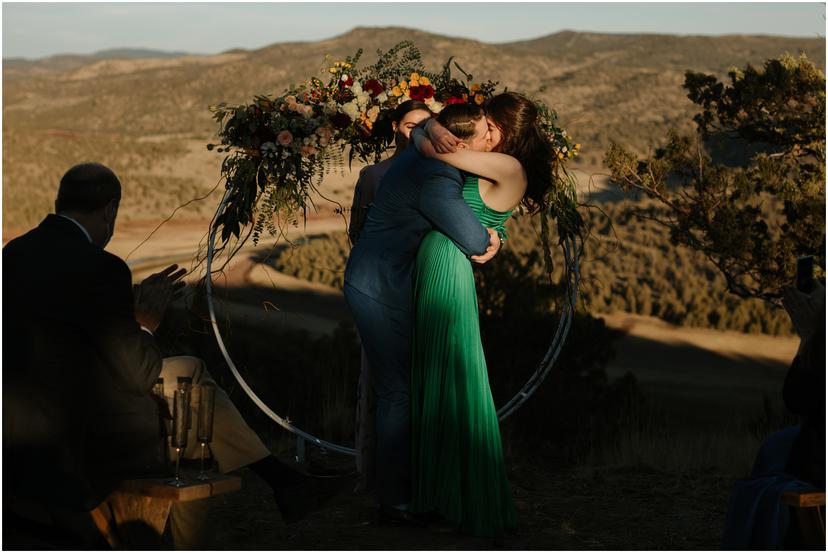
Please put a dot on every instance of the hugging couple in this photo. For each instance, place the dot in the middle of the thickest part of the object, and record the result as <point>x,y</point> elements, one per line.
<point>441,204</point>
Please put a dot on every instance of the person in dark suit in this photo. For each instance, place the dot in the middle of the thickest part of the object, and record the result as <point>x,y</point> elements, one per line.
<point>804,388</point>
<point>80,361</point>
<point>793,458</point>
<point>417,195</point>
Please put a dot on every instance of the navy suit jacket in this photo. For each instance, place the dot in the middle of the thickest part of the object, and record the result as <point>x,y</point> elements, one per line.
<point>77,368</point>
<point>416,195</point>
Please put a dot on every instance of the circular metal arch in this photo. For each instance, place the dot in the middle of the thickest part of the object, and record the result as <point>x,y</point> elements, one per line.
<point>571,274</point>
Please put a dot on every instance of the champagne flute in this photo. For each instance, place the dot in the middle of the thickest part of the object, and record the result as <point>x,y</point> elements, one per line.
<point>204,432</point>
<point>163,421</point>
<point>181,416</point>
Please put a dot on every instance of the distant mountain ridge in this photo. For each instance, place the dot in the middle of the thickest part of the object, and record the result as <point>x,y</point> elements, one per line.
<point>63,62</point>
<point>143,115</point>
<point>110,53</point>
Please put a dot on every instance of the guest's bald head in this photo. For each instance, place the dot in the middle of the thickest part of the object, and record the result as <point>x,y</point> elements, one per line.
<point>89,194</point>
<point>86,188</point>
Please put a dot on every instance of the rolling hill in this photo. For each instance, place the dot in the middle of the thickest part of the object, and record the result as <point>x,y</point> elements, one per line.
<point>146,115</point>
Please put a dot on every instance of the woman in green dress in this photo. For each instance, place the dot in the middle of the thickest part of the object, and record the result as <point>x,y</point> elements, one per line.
<point>458,471</point>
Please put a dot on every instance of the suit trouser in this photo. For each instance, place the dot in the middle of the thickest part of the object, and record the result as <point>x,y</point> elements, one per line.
<point>365,435</point>
<point>386,337</point>
<point>234,445</point>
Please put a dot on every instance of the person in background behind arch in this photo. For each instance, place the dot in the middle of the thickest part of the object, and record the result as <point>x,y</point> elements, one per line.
<point>404,118</point>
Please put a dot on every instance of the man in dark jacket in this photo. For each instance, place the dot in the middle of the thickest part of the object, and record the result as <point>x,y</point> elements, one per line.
<point>80,361</point>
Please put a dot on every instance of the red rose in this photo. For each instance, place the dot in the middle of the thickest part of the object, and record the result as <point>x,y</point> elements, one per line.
<point>454,100</point>
<point>421,93</point>
<point>374,87</point>
<point>345,81</point>
<point>340,120</point>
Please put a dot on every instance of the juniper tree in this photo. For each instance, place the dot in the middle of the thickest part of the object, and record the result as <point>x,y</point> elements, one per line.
<point>748,190</point>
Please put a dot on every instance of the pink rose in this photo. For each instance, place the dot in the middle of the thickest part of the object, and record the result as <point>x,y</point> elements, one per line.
<point>307,150</point>
<point>284,138</point>
<point>324,134</point>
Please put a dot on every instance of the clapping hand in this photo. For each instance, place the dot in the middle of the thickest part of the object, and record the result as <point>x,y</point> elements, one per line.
<point>804,309</point>
<point>491,251</point>
<point>154,294</point>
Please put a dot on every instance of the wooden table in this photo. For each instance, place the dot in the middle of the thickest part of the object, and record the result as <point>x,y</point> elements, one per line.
<point>124,516</point>
<point>810,514</point>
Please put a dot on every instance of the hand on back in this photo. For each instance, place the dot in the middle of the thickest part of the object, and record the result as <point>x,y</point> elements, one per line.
<point>491,251</point>
<point>442,139</point>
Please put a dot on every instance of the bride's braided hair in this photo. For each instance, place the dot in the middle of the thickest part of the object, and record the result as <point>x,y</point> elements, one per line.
<point>517,118</point>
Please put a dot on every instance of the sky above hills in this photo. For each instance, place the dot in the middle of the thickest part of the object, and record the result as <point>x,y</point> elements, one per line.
<point>34,30</point>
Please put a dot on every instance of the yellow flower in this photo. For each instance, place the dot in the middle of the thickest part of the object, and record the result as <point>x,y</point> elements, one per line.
<point>478,99</point>
<point>403,85</point>
<point>396,91</point>
<point>332,69</point>
<point>415,77</point>
<point>474,88</point>
<point>413,83</point>
<point>560,155</point>
<point>424,81</point>
<point>577,146</point>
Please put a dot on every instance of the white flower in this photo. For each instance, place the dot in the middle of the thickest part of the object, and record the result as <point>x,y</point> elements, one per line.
<point>373,113</point>
<point>435,106</point>
<point>351,109</point>
<point>382,97</point>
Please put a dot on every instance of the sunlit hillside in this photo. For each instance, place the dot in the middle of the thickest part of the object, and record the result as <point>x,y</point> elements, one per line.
<point>148,117</point>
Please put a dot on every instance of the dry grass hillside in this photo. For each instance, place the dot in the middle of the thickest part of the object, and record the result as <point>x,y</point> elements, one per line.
<point>148,118</point>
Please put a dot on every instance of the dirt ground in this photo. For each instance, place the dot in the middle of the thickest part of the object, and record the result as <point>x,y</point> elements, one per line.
<point>698,373</point>
<point>619,508</point>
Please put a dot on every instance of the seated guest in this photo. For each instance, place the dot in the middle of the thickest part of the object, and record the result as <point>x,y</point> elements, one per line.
<point>804,390</point>
<point>792,459</point>
<point>79,364</point>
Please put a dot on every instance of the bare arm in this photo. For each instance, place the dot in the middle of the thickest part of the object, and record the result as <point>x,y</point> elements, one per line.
<point>501,169</point>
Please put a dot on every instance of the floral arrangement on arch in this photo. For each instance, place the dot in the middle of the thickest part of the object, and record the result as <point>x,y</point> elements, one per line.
<point>280,148</point>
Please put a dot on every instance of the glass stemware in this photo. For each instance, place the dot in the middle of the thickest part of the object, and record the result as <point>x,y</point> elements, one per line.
<point>181,423</point>
<point>204,431</point>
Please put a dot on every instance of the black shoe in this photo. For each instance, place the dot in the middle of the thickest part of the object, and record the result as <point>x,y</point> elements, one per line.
<point>295,501</point>
<point>392,516</point>
<point>297,493</point>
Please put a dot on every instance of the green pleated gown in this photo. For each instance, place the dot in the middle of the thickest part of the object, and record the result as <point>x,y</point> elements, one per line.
<point>457,456</point>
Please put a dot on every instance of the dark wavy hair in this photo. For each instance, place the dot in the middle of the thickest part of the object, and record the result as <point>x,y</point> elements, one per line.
<point>517,118</point>
<point>383,127</point>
